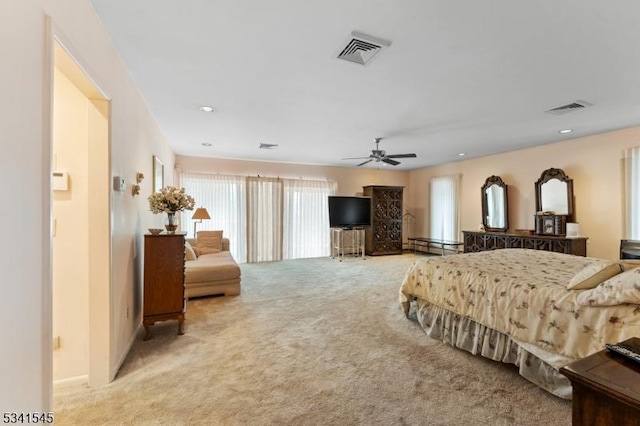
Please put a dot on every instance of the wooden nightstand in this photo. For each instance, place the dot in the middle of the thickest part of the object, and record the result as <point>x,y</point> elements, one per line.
<point>606,389</point>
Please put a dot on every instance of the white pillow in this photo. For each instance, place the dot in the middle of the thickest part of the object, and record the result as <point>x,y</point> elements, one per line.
<point>209,242</point>
<point>594,274</point>
<point>622,288</point>
<point>188,251</point>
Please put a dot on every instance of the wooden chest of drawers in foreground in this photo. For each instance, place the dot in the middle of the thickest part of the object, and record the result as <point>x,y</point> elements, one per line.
<point>163,280</point>
<point>606,389</point>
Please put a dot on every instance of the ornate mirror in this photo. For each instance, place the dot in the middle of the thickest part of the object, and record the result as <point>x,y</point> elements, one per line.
<point>495,212</point>
<point>554,192</point>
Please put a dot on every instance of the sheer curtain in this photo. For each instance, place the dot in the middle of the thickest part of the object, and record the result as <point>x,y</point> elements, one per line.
<point>444,200</point>
<point>306,218</point>
<point>632,193</point>
<point>264,219</point>
<point>224,197</point>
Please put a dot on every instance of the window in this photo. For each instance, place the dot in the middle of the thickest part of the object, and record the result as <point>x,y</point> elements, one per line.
<point>306,218</point>
<point>444,217</point>
<point>632,194</point>
<point>264,224</point>
<point>265,219</point>
<point>224,197</point>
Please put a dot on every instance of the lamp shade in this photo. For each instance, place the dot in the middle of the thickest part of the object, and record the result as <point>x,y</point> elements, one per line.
<point>201,213</point>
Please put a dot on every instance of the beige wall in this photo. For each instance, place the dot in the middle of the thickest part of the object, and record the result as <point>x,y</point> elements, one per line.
<point>350,180</point>
<point>70,245</point>
<point>594,163</point>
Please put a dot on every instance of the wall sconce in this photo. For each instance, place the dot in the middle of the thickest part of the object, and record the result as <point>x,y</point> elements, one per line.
<point>200,213</point>
<point>135,189</point>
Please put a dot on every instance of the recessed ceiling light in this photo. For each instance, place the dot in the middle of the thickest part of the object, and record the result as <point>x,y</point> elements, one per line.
<point>206,108</point>
<point>462,154</point>
<point>563,131</point>
<point>206,144</point>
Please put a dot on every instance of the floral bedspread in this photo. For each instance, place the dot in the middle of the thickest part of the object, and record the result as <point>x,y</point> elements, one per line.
<point>522,293</point>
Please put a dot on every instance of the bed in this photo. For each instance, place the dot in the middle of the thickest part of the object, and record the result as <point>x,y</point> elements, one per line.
<point>536,309</point>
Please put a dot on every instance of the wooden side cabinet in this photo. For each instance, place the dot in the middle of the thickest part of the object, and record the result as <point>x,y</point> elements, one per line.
<point>163,280</point>
<point>384,236</point>
<point>606,389</point>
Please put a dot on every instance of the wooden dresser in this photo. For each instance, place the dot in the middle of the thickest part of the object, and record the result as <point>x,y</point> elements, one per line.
<point>384,236</point>
<point>163,280</point>
<point>475,241</point>
<point>606,389</point>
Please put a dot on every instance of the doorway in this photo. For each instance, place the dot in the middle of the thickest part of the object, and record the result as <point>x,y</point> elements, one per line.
<point>80,222</point>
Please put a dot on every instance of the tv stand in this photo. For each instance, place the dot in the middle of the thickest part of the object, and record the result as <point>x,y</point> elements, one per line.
<point>347,242</point>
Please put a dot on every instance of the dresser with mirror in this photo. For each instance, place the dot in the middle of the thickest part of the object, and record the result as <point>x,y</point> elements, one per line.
<point>554,202</point>
<point>554,209</point>
<point>495,204</point>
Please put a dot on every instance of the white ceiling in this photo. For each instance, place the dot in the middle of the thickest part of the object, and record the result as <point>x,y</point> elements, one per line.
<point>460,76</point>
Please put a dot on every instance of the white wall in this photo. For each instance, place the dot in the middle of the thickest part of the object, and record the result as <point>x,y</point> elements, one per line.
<point>25,359</point>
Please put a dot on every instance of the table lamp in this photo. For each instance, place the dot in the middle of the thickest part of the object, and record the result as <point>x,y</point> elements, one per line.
<point>198,215</point>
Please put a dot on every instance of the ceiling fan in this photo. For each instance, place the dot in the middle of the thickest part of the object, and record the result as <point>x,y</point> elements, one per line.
<point>379,155</point>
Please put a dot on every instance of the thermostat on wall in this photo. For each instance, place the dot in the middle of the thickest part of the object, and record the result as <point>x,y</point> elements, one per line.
<point>118,184</point>
<point>60,181</point>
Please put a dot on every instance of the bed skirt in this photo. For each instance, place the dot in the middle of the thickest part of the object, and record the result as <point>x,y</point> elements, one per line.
<point>464,333</point>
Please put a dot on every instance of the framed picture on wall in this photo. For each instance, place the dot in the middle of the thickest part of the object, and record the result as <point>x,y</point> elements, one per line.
<point>158,174</point>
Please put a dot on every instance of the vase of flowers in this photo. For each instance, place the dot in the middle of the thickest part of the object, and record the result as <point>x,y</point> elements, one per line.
<point>171,224</point>
<point>170,200</point>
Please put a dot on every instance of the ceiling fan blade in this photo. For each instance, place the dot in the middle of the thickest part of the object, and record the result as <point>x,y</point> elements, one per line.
<point>402,156</point>
<point>368,161</point>
<point>390,161</point>
<point>356,158</point>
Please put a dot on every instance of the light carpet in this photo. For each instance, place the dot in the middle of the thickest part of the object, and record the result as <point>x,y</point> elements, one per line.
<point>309,342</point>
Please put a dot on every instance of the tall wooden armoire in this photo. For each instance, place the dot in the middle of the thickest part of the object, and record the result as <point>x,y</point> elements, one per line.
<point>384,236</point>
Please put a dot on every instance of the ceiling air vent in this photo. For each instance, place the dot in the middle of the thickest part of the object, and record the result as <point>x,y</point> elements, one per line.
<point>574,106</point>
<point>361,48</point>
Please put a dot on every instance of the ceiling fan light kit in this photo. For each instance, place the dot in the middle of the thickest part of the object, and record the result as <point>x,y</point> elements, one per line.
<point>379,155</point>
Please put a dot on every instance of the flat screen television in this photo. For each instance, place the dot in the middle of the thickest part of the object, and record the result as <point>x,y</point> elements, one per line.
<point>349,212</point>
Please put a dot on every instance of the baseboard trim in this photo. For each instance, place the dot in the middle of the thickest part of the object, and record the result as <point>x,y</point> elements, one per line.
<point>116,368</point>
<point>72,381</point>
